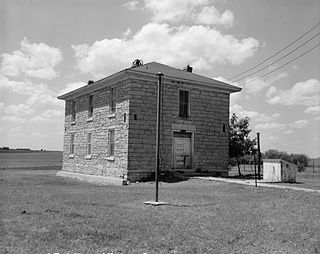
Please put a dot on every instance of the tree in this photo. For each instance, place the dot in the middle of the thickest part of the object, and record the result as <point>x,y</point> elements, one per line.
<point>240,143</point>
<point>301,160</point>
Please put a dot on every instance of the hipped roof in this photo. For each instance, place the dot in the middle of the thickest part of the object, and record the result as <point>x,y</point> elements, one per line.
<point>149,71</point>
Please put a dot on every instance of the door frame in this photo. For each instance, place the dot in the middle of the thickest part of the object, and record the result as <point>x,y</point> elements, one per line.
<point>192,149</point>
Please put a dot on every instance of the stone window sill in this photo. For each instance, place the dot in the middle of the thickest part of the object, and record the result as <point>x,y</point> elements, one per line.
<point>183,117</point>
<point>90,119</point>
<point>71,156</point>
<point>112,115</point>
<point>88,157</point>
<point>73,123</point>
<point>110,158</point>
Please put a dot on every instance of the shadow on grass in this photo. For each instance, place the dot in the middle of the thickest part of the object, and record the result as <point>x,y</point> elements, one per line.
<point>167,177</point>
<point>247,176</point>
<point>179,176</point>
<point>252,177</point>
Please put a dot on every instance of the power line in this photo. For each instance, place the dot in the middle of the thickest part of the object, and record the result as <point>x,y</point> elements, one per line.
<point>278,59</point>
<point>277,53</point>
<point>282,65</point>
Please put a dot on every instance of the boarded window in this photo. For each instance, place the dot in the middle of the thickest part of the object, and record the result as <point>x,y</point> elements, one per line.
<point>72,144</point>
<point>73,111</point>
<point>89,144</point>
<point>90,110</point>
<point>111,138</point>
<point>183,103</point>
<point>112,99</point>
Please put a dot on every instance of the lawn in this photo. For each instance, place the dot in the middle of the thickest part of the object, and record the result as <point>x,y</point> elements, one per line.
<point>41,213</point>
<point>309,178</point>
<point>31,160</point>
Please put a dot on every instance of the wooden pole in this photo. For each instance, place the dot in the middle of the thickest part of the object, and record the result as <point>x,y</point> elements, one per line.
<point>255,169</point>
<point>259,156</point>
<point>159,75</point>
<point>313,167</point>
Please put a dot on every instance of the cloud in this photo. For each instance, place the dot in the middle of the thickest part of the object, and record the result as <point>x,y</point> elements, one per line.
<point>13,119</point>
<point>258,85</point>
<point>25,87</point>
<point>299,124</point>
<point>313,110</point>
<point>38,94</point>
<point>211,16</point>
<point>288,132</point>
<point>252,88</point>
<point>253,115</point>
<point>71,86</point>
<point>200,46</point>
<point>174,11</point>
<point>132,5</point>
<point>197,11</point>
<point>241,112</point>
<point>32,60</point>
<point>50,115</point>
<point>41,98</point>
<point>273,125</point>
<point>305,93</point>
<point>19,110</point>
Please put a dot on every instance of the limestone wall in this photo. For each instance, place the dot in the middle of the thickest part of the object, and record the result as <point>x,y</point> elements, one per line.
<point>209,111</point>
<point>100,163</point>
<point>135,134</point>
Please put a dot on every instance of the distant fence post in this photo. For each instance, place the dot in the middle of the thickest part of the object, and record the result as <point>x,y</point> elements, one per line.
<point>255,169</point>
<point>259,156</point>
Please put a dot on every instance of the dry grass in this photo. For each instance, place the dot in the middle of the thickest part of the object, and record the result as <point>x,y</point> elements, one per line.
<point>310,178</point>
<point>31,160</point>
<point>44,214</point>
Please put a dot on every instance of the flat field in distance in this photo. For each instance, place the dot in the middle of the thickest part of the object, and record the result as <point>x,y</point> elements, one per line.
<point>42,213</point>
<point>31,160</point>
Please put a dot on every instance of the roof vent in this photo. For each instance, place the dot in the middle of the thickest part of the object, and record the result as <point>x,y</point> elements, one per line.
<point>188,68</point>
<point>90,82</point>
<point>137,63</point>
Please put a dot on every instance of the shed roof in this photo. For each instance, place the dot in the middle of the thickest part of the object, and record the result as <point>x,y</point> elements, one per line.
<point>150,70</point>
<point>277,161</point>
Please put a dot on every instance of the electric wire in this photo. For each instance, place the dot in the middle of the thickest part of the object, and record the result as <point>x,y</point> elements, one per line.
<point>261,69</point>
<point>277,53</point>
<point>282,65</point>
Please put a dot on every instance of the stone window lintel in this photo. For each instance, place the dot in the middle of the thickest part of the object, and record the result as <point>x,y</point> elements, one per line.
<point>112,115</point>
<point>110,158</point>
<point>88,157</point>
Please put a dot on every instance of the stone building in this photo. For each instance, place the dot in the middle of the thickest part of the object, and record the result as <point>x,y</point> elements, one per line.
<point>110,124</point>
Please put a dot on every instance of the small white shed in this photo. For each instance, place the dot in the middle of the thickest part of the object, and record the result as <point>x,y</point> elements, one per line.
<point>277,170</point>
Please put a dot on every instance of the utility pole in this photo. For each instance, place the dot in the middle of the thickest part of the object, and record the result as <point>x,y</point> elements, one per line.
<point>313,167</point>
<point>255,170</point>
<point>159,76</point>
<point>259,156</point>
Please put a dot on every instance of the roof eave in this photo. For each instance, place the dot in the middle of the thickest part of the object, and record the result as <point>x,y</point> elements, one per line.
<point>94,86</point>
<point>216,84</point>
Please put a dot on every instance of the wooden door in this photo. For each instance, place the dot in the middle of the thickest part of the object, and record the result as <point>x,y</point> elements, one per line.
<point>182,155</point>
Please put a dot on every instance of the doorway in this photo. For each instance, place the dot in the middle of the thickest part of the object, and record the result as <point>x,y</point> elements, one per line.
<point>182,150</point>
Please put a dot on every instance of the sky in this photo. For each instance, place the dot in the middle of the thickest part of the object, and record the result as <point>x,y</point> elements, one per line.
<point>50,47</point>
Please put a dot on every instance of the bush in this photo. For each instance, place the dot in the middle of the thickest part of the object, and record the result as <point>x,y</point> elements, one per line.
<point>301,167</point>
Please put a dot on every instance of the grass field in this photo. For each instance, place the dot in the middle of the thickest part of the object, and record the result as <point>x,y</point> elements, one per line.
<point>310,178</point>
<point>45,214</point>
<point>31,160</point>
